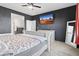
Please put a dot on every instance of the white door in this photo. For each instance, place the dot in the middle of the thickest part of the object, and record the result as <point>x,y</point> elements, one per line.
<point>30,25</point>
<point>16,21</point>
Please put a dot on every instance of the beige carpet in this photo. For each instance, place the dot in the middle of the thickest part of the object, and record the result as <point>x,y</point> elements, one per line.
<point>61,49</point>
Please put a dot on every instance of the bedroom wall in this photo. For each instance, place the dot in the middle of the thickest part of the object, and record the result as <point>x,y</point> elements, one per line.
<point>59,25</point>
<point>5,19</point>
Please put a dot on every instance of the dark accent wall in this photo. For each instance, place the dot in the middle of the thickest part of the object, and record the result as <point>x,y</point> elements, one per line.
<point>59,25</point>
<point>5,19</point>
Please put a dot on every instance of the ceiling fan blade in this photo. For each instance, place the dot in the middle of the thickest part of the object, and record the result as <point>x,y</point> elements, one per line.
<point>24,5</point>
<point>29,3</point>
<point>36,6</point>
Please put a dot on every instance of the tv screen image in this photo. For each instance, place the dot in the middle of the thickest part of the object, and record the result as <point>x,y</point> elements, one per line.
<point>46,19</point>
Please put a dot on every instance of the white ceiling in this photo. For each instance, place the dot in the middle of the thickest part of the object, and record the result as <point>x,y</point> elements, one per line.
<point>45,7</point>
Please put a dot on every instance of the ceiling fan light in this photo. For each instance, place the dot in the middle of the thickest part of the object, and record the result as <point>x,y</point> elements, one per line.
<point>30,7</point>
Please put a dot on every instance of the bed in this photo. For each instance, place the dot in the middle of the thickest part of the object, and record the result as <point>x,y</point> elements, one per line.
<point>22,45</point>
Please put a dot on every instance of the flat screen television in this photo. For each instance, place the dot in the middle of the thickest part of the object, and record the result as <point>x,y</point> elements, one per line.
<point>46,19</point>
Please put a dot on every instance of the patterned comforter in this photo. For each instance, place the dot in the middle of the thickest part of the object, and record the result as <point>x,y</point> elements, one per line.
<point>17,43</point>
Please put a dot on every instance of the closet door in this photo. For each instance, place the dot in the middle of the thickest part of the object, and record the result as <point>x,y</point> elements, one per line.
<point>33,25</point>
<point>30,25</point>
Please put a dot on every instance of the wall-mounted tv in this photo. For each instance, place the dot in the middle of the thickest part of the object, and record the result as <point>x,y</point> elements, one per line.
<point>46,19</point>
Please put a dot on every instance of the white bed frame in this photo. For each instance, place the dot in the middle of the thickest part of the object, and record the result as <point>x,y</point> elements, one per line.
<point>40,51</point>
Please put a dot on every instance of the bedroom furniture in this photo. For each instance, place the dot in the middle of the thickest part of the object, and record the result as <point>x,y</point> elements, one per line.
<point>50,35</point>
<point>19,30</point>
<point>34,51</point>
<point>18,44</point>
<point>30,25</point>
<point>36,33</point>
<point>70,34</point>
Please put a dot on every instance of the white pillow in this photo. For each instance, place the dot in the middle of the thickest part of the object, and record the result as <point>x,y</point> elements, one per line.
<point>3,48</point>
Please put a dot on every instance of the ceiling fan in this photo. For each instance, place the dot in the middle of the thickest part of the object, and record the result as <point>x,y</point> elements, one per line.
<point>31,5</point>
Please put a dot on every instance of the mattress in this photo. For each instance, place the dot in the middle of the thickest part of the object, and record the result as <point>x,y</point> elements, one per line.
<point>16,44</point>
